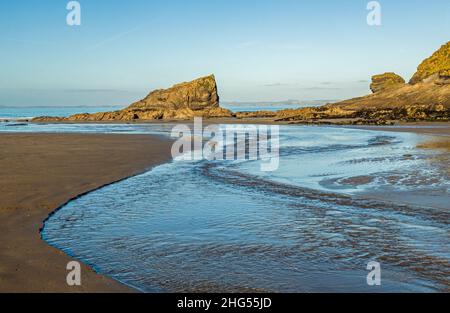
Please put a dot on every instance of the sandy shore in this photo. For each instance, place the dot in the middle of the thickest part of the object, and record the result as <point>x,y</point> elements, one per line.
<point>431,128</point>
<point>41,172</point>
<point>438,133</point>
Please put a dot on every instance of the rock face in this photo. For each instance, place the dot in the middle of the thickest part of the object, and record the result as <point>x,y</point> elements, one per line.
<point>426,97</point>
<point>197,95</point>
<point>438,63</point>
<point>182,101</point>
<point>386,81</point>
<point>428,100</point>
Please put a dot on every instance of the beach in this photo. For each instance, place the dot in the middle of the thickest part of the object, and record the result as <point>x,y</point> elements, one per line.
<point>438,133</point>
<point>225,148</point>
<point>42,172</point>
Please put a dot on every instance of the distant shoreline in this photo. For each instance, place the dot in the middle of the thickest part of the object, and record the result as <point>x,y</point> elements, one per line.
<point>254,120</point>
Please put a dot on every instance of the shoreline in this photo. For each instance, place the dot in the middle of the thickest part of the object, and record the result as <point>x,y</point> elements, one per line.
<point>438,134</point>
<point>436,129</point>
<point>128,289</point>
<point>342,122</point>
<point>160,150</point>
<point>73,165</point>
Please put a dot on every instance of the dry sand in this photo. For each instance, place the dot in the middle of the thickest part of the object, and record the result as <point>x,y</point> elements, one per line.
<point>40,173</point>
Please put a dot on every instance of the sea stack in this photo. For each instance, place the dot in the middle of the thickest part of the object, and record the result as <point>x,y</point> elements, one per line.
<point>386,81</point>
<point>197,95</point>
<point>180,102</point>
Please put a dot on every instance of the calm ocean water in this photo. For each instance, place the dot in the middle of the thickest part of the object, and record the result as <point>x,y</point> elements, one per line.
<point>340,199</point>
<point>30,112</point>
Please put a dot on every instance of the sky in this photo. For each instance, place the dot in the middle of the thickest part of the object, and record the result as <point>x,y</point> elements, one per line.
<point>259,50</point>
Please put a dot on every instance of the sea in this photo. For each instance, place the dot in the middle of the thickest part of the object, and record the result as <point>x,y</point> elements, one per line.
<point>28,112</point>
<point>341,199</point>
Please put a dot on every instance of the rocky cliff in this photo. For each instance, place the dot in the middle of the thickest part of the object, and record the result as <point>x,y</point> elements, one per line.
<point>182,101</point>
<point>438,63</point>
<point>426,97</point>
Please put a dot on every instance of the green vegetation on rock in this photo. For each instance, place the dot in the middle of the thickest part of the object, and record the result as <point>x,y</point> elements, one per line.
<point>438,63</point>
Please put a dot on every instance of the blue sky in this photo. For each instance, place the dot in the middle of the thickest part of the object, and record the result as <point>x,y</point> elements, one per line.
<point>259,50</point>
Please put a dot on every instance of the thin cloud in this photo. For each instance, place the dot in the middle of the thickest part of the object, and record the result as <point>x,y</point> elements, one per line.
<point>277,46</point>
<point>96,90</point>
<point>113,38</point>
<point>29,42</point>
<point>286,46</point>
<point>248,44</point>
<point>276,85</point>
<point>299,87</point>
<point>320,88</point>
<point>323,86</point>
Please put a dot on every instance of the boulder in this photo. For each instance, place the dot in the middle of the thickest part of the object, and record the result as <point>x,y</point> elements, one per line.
<point>386,81</point>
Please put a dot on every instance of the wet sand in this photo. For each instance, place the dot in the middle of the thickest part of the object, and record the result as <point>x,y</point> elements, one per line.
<point>436,143</point>
<point>438,132</point>
<point>40,173</point>
<point>441,129</point>
<point>437,137</point>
